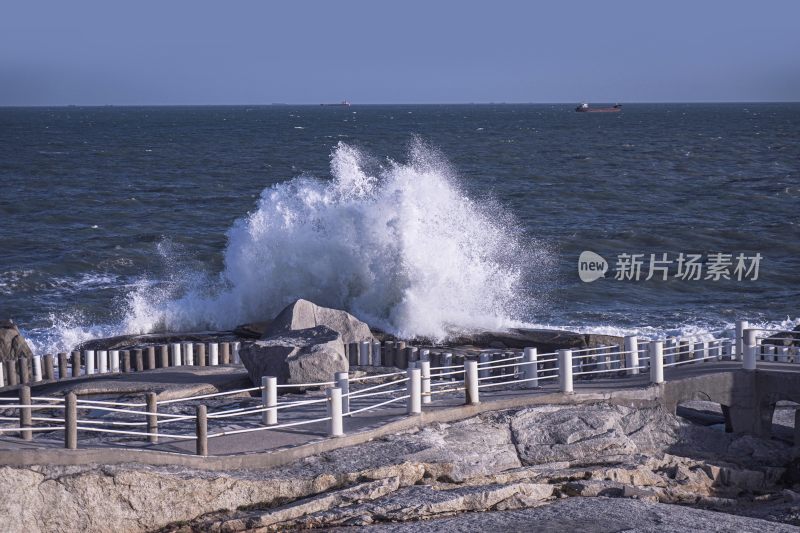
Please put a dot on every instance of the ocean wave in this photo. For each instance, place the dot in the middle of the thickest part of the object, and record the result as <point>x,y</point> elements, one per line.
<point>400,245</point>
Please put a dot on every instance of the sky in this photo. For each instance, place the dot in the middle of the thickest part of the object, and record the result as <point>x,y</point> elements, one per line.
<point>179,52</point>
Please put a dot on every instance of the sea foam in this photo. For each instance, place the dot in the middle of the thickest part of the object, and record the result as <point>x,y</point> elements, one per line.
<point>399,244</point>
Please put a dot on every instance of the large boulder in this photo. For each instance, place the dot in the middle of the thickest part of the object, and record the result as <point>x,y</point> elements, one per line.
<point>310,355</point>
<point>12,343</point>
<point>303,314</point>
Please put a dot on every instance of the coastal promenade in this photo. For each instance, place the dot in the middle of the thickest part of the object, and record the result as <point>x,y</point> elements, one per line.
<point>204,417</point>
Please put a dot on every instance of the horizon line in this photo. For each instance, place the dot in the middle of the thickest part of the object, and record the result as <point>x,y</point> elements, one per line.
<point>351,104</point>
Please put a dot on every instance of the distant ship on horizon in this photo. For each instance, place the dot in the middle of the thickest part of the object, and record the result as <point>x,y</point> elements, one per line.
<point>343,103</point>
<point>584,108</point>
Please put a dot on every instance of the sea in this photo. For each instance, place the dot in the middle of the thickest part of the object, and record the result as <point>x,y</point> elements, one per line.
<point>424,220</point>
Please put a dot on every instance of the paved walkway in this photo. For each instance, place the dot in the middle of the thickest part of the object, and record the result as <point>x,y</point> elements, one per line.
<point>173,382</point>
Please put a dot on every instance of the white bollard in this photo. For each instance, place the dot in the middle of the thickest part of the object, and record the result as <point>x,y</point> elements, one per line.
<point>447,360</point>
<point>377,360</point>
<point>414,388</point>
<point>750,348</point>
<point>531,369</point>
<point>335,424</point>
<point>424,354</point>
<point>565,371</point>
<point>213,354</point>
<point>2,375</point>
<point>114,360</point>
<point>699,351</point>
<point>363,353</point>
<point>425,368</point>
<point>176,354</point>
<point>188,353</point>
<point>89,356</point>
<point>269,398</point>
<point>772,353</point>
<point>741,326</point>
<point>342,380</point>
<point>784,354</point>
<point>656,362</point>
<point>102,361</point>
<point>471,382</point>
<point>631,346</point>
<point>670,346</point>
<point>484,359</point>
<point>37,368</point>
<point>236,347</point>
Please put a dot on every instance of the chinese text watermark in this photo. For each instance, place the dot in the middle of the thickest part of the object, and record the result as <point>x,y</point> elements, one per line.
<point>663,266</point>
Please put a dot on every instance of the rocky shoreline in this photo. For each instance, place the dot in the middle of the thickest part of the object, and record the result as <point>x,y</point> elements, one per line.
<point>497,469</point>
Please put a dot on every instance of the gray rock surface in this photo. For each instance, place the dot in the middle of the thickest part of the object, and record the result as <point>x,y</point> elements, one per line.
<point>591,515</point>
<point>443,478</point>
<point>12,343</point>
<point>309,355</point>
<point>303,314</point>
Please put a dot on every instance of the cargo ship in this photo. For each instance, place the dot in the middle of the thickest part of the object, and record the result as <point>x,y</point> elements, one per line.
<point>343,103</point>
<point>584,108</point>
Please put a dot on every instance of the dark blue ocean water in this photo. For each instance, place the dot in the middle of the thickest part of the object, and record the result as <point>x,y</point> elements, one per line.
<point>101,208</point>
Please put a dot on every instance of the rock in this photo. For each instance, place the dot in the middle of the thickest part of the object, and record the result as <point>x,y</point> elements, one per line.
<point>309,355</point>
<point>544,340</point>
<point>12,343</point>
<point>590,434</point>
<point>254,330</point>
<point>303,314</point>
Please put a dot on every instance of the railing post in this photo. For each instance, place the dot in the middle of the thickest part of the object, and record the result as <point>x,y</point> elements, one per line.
<point>425,369</point>
<point>483,360</point>
<point>114,355</point>
<point>71,421</point>
<point>237,360</point>
<point>138,360</point>
<point>530,356</point>
<point>565,370</point>
<point>188,354</point>
<point>24,370</point>
<point>377,360</point>
<point>37,368</point>
<point>741,326</point>
<point>225,353</point>
<point>163,356</point>
<point>200,354</point>
<point>631,346</point>
<point>471,382</point>
<point>342,380</point>
<point>89,357</point>
<point>102,359</point>
<point>335,424</point>
<point>76,364</point>
<point>363,353</point>
<point>151,357</point>
<point>388,353</point>
<point>213,354</point>
<point>201,431</point>
<point>269,398</point>
<point>699,351</point>
<point>152,417</point>
<point>750,347</point>
<point>414,388</point>
<point>49,370</point>
<point>63,370</point>
<point>447,360</point>
<point>2,374</point>
<point>176,354</point>
<point>656,362</point>
<point>25,421</point>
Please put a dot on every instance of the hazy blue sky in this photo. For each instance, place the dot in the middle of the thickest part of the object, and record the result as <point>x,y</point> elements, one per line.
<point>247,52</point>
